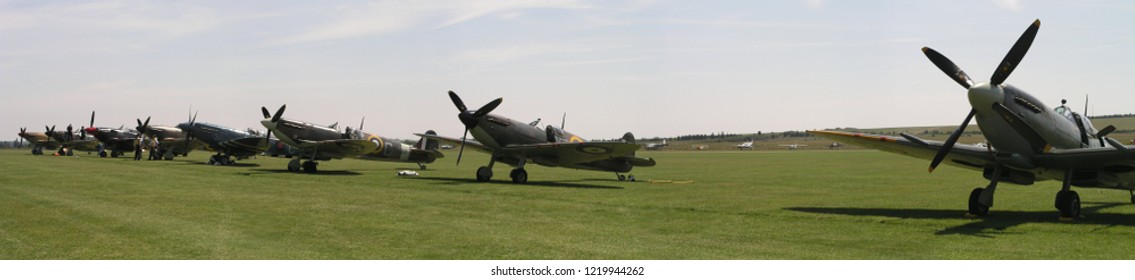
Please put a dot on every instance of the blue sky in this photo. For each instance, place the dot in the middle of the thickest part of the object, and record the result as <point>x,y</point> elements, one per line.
<point>655,68</point>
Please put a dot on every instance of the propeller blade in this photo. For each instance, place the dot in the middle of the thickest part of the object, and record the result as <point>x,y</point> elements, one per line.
<point>1013,58</point>
<point>264,110</point>
<point>457,102</point>
<point>92,119</point>
<point>279,113</point>
<point>1105,131</point>
<point>1036,142</point>
<point>462,151</point>
<point>485,110</point>
<point>563,120</point>
<point>948,67</point>
<point>194,119</point>
<point>949,144</point>
<point>1102,134</point>
<point>361,123</point>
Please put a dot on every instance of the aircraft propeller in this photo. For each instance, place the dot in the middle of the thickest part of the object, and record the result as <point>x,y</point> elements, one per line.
<point>471,118</point>
<point>1010,62</point>
<point>90,128</point>
<point>188,133</point>
<point>50,131</point>
<point>143,127</point>
<point>273,118</point>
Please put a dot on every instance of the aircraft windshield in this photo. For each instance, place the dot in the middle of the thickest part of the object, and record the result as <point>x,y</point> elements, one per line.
<point>1063,111</point>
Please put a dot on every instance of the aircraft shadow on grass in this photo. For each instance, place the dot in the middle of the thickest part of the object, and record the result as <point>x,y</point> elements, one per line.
<point>984,226</point>
<point>235,164</point>
<point>320,173</point>
<point>578,184</point>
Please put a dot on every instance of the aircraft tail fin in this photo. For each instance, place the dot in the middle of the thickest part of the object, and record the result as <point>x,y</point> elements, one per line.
<point>629,137</point>
<point>427,144</point>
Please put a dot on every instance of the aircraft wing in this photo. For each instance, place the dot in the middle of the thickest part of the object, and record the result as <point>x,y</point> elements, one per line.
<point>1108,159</point>
<point>245,146</point>
<point>577,152</point>
<point>961,155</point>
<point>456,142</point>
<point>339,148</point>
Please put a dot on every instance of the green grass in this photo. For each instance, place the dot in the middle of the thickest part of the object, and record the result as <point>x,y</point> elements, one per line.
<point>854,204</point>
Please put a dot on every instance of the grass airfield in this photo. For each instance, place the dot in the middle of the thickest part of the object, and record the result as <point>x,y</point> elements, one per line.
<point>850,204</point>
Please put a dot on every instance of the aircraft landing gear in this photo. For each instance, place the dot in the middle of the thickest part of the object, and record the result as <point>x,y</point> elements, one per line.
<point>294,165</point>
<point>309,166</point>
<point>975,206</point>
<point>102,154</point>
<point>220,160</point>
<point>421,166</point>
<point>519,176</point>
<point>981,199</point>
<point>484,173</point>
<point>1067,200</point>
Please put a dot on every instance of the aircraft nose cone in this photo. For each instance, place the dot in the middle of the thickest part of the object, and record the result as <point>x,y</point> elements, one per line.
<point>468,119</point>
<point>984,95</point>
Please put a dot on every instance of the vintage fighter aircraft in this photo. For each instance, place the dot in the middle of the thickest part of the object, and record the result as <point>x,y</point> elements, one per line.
<point>70,141</point>
<point>316,142</point>
<point>793,146</point>
<point>171,141</point>
<point>657,146</point>
<point>38,141</point>
<point>517,143</point>
<point>227,142</point>
<point>747,145</point>
<point>1028,141</point>
<point>118,140</point>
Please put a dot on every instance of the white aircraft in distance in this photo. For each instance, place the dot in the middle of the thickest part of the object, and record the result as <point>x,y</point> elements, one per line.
<point>793,146</point>
<point>835,146</point>
<point>748,145</point>
<point>657,146</point>
<point>1028,141</point>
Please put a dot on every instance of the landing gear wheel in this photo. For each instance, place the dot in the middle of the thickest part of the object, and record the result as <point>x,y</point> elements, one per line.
<point>102,154</point>
<point>484,173</point>
<point>115,154</point>
<point>309,167</point>
<point>294,166</point>
<point>421,166</point>
<point>1068,202</point>
<point>622,178</point>
<point>519,176</point>
<point>975,207</point>
<point>212,161</point>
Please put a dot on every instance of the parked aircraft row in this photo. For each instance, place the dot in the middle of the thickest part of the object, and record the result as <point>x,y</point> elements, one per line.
<point>508,141</point>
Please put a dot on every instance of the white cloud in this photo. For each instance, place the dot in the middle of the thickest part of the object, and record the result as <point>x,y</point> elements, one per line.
<point>815,3</point>
<point>392,16</point>
<point>1012,5</point>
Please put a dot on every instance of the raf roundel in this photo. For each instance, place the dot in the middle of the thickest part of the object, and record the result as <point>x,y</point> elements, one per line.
<point>592,149</point>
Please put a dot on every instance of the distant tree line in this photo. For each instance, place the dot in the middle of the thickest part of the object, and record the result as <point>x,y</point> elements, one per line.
<point>1113,116</point>
<point>12,144</point>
